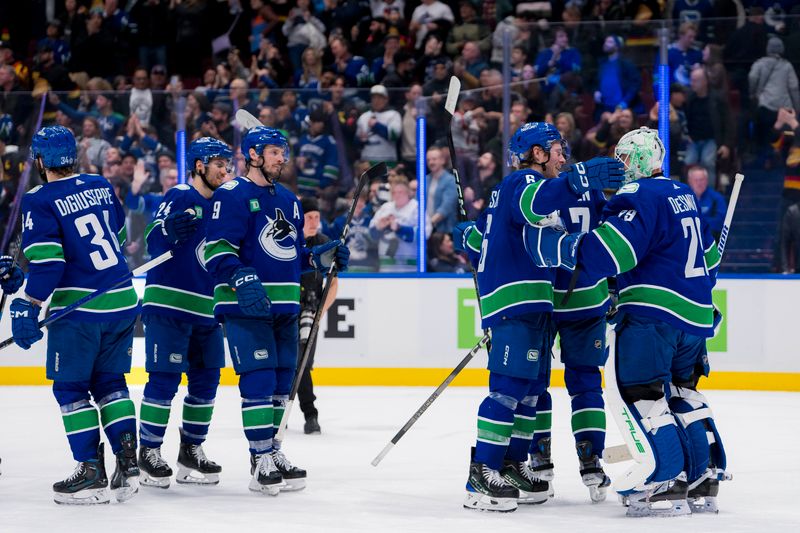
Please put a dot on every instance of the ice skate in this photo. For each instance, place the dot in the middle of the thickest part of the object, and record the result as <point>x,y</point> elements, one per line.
<point>294,477</point>
<point>267,478</point>
<point>531,488</point>
<point>194,468</point>
<point>154,470</point>
<point>703,497</point>
<point>125,481</point>
<point>87,485</point>
<point>667,499</point>
<point>592,472</point>
<point>542,464</point>
<point>487,490</point>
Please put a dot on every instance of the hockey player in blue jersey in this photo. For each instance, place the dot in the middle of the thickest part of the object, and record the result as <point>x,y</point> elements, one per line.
<point>255,251</point>
<point>181,333</point>
<point>517,304</point>
<point>73,231</point>
<point>317,159</point>
<point>581,326</point>
<point>665,260</point>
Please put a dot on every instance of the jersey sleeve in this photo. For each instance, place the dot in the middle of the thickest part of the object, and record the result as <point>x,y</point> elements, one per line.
<point>42,244</point>
<point>154,237</point>
<point>617,244</point>
<point>119,215</point>
<point>536,199</point>
<point>225,232</point>
<point>710,250</point>
<point>303,251</point>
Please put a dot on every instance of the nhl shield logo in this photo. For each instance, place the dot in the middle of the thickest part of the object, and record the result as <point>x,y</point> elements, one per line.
<point>278,238</point>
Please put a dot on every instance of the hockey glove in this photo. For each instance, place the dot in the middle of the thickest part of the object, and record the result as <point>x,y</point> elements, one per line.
<point>322,255</point>
<point>25,323</point>
<point>11,276</point>
<point>405,233</point>
<point>596,174</point>
<point>549,247</point>
<point>250,293</point>
<point>460,235</point>
<point>179,227</point>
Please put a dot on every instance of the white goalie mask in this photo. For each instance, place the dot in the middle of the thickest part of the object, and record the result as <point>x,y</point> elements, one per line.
<point>642,153</point>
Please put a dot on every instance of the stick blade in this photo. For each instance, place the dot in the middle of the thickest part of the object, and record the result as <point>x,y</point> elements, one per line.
<point>246,120</point>
<point>376,171</point>
<point>452,95</point>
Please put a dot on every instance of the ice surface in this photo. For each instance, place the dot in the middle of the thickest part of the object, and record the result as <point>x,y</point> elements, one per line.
<point>418,487</point>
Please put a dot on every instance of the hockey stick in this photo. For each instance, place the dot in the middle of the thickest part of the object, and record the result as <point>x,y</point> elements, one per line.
<point>411,421</point>
<point>370,174</point>
<point>246,120</point>
<point>61,313</point>
<point>620,453</point>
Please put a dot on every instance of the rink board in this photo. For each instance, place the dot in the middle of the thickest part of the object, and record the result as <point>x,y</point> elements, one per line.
<point>402,331</point>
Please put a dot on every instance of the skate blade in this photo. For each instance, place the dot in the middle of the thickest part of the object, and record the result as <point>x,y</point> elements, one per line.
<point>482,502</point>
<point>293,485</point>
<point>190,476</point>
<point>83,497</point>
<point>126,492</point>
<point>664,509</point>
<point>272,490</point>
<point>146,480</point>
<point>532,498</point>
<point>551,491</point>
<point>706,504</point>
<point>597,493</point>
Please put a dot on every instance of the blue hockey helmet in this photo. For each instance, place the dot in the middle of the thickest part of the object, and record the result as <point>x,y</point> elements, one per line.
<point>6,128</point>
<point>56,146</point>
<point>529,135</point>
<point>262,136</point>
<point>205,149</point>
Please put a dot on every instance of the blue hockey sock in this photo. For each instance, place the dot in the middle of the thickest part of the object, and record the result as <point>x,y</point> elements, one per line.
<point>544,420</point>
<point>496,418</point>
<point>81,421</point>
<point>588,413</point>
<point>522,432</point>
<point>198,405</point>
<point>256,388</point>
<point>117,412</point>
<point>283,387</point>
<point>154,412</point>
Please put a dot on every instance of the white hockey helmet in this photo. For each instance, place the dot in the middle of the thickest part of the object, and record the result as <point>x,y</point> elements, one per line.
<point>642,153</point>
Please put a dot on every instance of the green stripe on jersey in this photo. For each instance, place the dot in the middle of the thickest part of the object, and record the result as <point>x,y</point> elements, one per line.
<point>114,300</point>
<point>197,414</point>
<point>669,301</point>
<point>180,300</point>
<point>150,227</point>
<point>494,432</point>
<point>219,247</point>
<point>526,202</point>
<point>621,251</point>
<point>583,298</point>
<point>257,417</point>
<point>116,411</point>
<point>474,239</point>
<point>278,293</point>
<point>588,419</point>
<point>82,420</point>
<point>122,236</point>
<point>44,252</point>
<point>517,293</point>
<point>157,415</point>
<point>712,257</point>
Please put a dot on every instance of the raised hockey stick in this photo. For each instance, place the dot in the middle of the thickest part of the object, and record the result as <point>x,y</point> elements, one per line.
<point>371,173</point>
<point>620,453</point>
<point>61,313</point>
<point>246,120</point>
<point>411,421</point>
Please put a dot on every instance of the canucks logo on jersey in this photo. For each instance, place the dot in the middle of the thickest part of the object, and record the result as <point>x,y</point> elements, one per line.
<point>199,253</point>
<point>278,238</point>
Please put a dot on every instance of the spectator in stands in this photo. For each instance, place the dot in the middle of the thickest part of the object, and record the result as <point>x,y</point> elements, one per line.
<point>141,141</point>
<point>787,131</point>
<point>317,160</point>
<point>12,163</point>
<point>442,256</point>
<point>381,8</point>
<point>715,69</point>
<point>744,47</point>
<point>240,93</point>
<point>611,129</point>
<point>465,126</point>
<point>221,115</point>
<point>103,110</point>
<point>91,147</point>
<point>341,16</point>
<point>678,128</point>
<point>140,102</point>
<point>774,83</point>
<point>470,64</point>
<point>303,30</point>
<point>430,16</point>
<point>408,138</point>
<point>433,54</point>
<point>385,63</point>
<point>441,193</point>
<point>379,128</point>
<point>437,118</point>
<point>712,204</point>
<point>512,24</point>
<point>619,81</point>
<point>394,227</point>
<point>55,43</point>
<point>682,56</point>
<point>152,23</point>
<point>709,125</point>
<point>400,77</point>
<point>355,70</point>
<point>557,60</point>
<point>368,37</point>
<point>469,29</point>
<point>363,248</point>
<point>307,77</point>
<point>14,101</point>
<point>565,123</point>
<point>93,50</point>
<point>477,195</point>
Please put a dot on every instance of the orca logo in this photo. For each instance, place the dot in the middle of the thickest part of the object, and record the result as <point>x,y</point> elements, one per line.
<point>200,253</point>
<point>278,238</point>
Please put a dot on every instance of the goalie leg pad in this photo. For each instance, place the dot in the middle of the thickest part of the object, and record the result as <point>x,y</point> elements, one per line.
<point>705,445</point>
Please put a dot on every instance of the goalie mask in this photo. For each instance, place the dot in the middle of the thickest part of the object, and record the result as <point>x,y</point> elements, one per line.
<point>642,153</point>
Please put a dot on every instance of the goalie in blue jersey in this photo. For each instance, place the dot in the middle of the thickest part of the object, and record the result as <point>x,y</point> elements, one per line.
<point>517,304</point>
<point>181,333</point>
<point>73,233</point>
<point>255,251</point>
<point>665,259</point>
